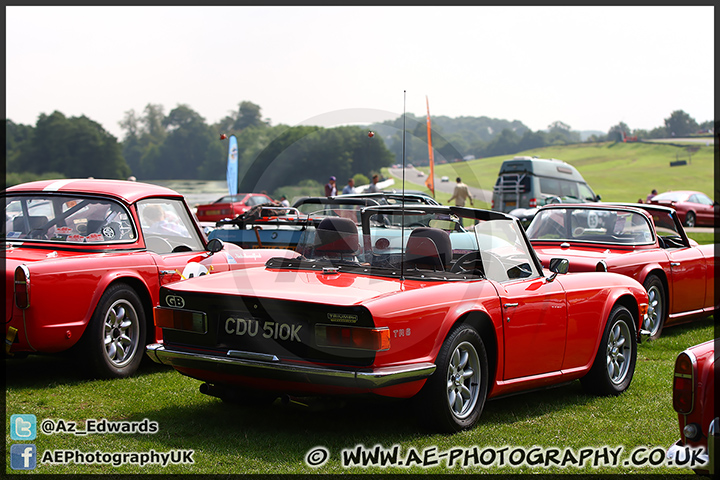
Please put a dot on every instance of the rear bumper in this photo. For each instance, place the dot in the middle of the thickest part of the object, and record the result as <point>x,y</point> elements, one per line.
<point>247,364</point>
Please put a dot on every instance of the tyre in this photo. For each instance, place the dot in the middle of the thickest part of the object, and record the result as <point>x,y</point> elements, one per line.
<point>614,365</point>
<point>690,219</point>
<point>454,396</point>
<point>656,306</point>
<point>113,344</point>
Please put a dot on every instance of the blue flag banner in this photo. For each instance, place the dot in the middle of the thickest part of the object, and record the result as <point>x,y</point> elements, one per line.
<point>232,166</point>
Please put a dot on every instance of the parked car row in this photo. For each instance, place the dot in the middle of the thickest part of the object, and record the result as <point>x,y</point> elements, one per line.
<point>388,295</point>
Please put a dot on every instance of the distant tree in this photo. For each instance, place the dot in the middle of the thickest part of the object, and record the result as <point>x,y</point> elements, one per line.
<point>315,152</point>
<point>191,149</point>
<point>658,132</point>
<point>707,125</point>
<point>532,140</point>
<point>680,124</point>
<point>248,115</point>
<point>17,138</point>
<point>617,132</point>
<point>74,147</point>
<point>561,133</point>
<point>558,125</point>
<point>361,179</point>
<point>506,143</point>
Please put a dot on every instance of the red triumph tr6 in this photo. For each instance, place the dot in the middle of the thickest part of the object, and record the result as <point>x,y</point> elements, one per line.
<point>84,262</point>
<point>644,242</point>
<point>414,305</point>
<point>694,401</point>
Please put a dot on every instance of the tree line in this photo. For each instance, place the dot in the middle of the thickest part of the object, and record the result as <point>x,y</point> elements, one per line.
<point>180,144</point>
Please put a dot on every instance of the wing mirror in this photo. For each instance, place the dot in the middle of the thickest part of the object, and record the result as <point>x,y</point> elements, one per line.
<point>214,245</point>
<point>558,265</point>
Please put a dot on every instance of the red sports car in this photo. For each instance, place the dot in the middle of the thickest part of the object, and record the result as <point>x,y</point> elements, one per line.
<point>414,306</point>
<point>230,206</point>
<point>644,242</point>
<point>693,208</point>
<point>694,400</point>
<point>84,262</point>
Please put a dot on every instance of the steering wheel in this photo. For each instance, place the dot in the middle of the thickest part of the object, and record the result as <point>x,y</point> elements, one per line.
<point>157,244</point>
<point>470,262</point>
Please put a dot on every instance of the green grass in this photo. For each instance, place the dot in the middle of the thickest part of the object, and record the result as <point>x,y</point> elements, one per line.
<point>619,172</point>
<point>229,439</point>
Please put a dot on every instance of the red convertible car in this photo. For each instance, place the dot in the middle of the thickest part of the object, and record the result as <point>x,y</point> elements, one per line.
<point>230,206</point>
<point>84,262</point>
<point>412,306</point>
<point>645,242</point>
<point>693,208</point>
<point>694,401</point>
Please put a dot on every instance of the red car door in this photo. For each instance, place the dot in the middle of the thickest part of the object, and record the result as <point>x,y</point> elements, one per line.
<point>689,284</point>
<point>535,325</point>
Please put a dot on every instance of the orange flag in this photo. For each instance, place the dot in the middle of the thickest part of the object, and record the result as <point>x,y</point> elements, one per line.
<point>430,182</point>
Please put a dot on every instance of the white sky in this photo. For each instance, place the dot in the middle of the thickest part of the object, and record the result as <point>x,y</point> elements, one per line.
<point>589,67</point>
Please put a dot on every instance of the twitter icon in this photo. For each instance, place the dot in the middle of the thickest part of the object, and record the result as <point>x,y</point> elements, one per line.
<point>23,427</point>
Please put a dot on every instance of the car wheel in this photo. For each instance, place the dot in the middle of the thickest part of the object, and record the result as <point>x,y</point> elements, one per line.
<point>113,344</point>
<point>614,363</point>
<point>655,319</point>
<point>690,219</point>
<point>455,394</point>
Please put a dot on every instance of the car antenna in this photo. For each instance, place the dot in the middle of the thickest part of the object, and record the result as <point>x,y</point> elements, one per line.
<point>402,202</point>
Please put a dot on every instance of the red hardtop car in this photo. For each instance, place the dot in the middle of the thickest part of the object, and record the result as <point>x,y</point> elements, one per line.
<point>230,206</point>
<point>693,208</point>
<point>641,241</point>
<point>84,262</point>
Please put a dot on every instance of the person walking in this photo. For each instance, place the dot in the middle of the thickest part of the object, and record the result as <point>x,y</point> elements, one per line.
<point>350,187</point>
<point>461,194</point>
<point>651,195</point>
<point>330,188</point>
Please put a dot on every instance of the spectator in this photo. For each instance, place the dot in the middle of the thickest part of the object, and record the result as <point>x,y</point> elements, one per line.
<point>350,187</point>
<point>330,188</point>
<point>373,188</point>
<point>284,201</point>
<point>651,195</point>
<point>460,194</point>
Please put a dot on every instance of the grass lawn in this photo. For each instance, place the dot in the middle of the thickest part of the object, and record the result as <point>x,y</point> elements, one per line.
<point>228,439</point>
<point>619,172</point>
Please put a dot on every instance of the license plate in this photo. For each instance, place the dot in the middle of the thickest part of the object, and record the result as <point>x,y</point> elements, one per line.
<point>509,204</point>
<point>212,212</point>
<point>240,329</point>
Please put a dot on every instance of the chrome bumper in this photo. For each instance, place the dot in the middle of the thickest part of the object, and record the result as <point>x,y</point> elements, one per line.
<point>248,364</point>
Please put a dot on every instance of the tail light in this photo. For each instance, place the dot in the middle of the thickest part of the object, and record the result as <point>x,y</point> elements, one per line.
<point>533,202</point>
<point>180,320</point>
<point>492,204</point>
<point>363,338</point>
<point>22,287</point>
<point>684,383</point>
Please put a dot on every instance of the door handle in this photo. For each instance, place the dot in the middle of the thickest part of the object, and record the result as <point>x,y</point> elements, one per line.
<point>674,264</point>
<point>508,305</point>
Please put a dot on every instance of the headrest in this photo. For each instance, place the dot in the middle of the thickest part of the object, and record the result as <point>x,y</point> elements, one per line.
<point>418,246</point>
<point>337,235</point>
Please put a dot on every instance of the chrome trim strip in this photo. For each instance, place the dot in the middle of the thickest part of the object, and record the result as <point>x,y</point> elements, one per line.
<point>370,379</point>
<point>252,356</point>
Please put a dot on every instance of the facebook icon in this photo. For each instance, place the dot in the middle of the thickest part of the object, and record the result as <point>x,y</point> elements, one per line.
<point>23,456</point>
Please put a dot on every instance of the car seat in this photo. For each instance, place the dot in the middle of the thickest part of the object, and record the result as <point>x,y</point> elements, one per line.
<point>337,235</point>
<point>429,248</point>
